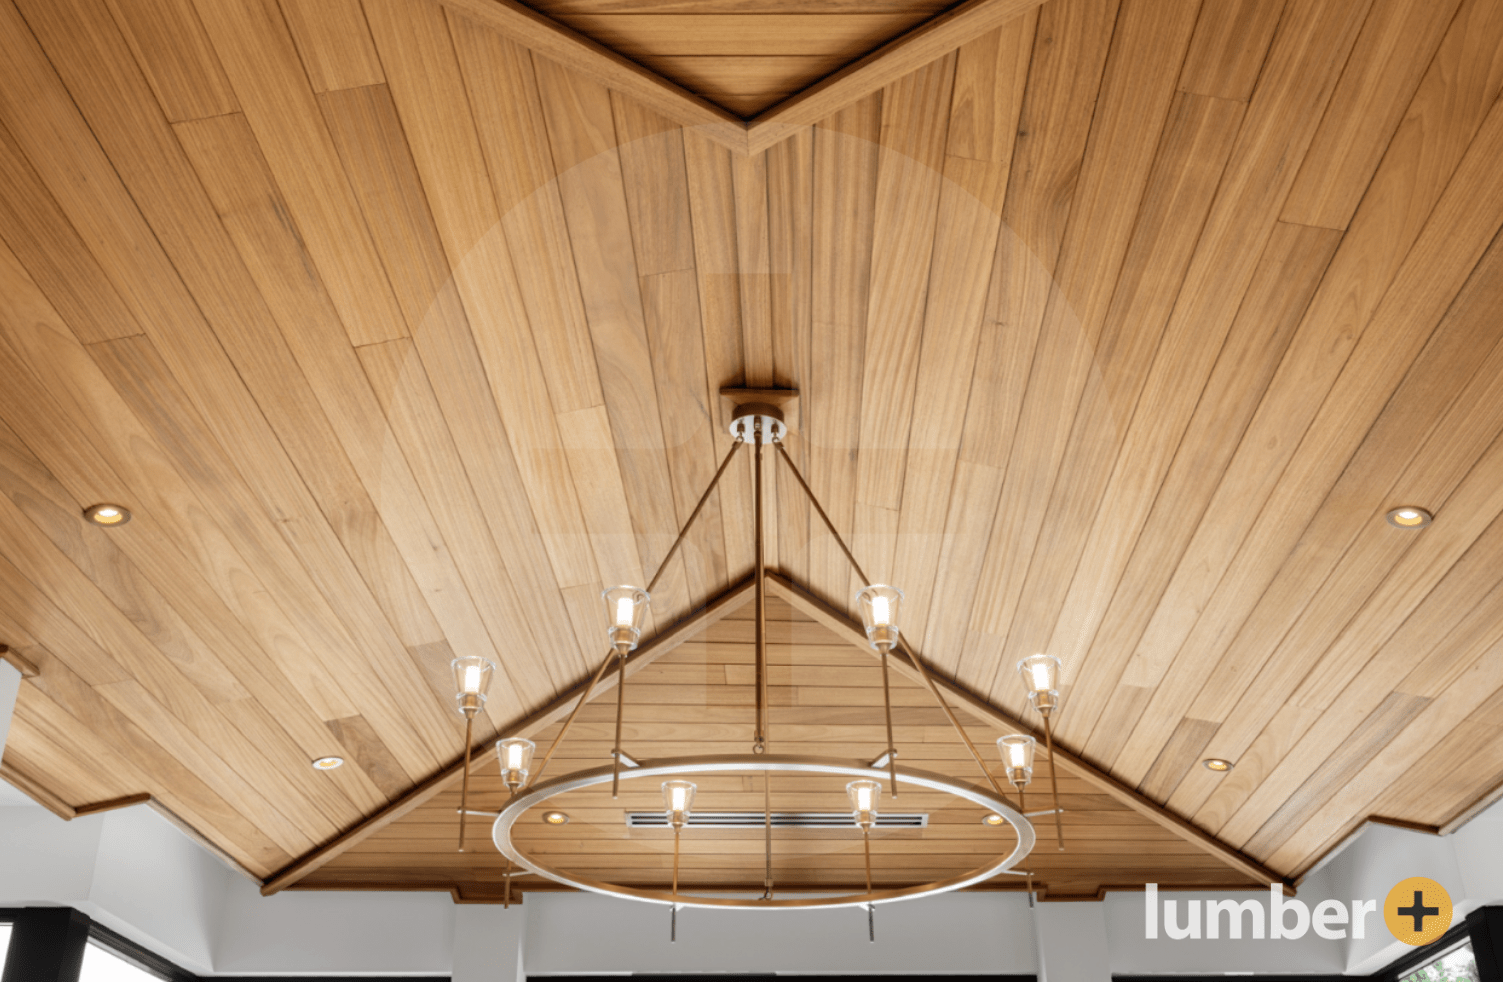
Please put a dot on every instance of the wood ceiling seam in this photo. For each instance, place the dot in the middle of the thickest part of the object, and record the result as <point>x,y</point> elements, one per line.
<point>334,43</point>
<point>651,650</point>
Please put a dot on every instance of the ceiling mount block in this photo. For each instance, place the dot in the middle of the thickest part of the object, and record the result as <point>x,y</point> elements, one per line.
<point>780,401</point>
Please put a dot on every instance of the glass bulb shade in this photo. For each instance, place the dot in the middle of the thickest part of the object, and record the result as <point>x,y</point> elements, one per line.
<point>1017,751</point>
<point>515,756</point>
<point>1041,678</point>
<point>678,801</point>
<point>880,607</point>
<point>472,680</point>
<point>864,797</point>
<point>625,606</point>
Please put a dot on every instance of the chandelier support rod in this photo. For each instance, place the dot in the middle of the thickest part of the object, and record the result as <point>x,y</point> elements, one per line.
<point>620,710</point>
<point>917,662</point>
<point>714,482</point>
<point>759,745</point>
<point>584,697</point>
<point>464,794</point>
<point>1059,827</point>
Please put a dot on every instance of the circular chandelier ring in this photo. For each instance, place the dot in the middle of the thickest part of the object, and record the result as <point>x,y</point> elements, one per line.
<point>778,763</point>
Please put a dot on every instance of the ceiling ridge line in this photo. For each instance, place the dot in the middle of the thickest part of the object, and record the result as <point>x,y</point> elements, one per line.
<point>987,713</point>
<point>713,611</point>
<point>920,45</point>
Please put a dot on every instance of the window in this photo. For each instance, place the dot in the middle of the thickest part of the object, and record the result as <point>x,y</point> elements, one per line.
<point>1456,965</point>
<point>4,944</point>
<point>102,965</point>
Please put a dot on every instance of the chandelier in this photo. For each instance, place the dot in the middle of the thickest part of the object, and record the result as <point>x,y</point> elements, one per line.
<point>761,425</point>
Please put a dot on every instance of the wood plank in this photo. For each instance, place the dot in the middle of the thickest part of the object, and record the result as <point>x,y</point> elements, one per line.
<point>407,397</point>
<point>174,53</point>
<point>1357,660</point>
<point>38,232</point>
<point>912,8</point>
<point>1230,47</point>
<point>1147,527</point>
<point>644,655</point>
<point>1388,62</point>
<point>259,57</point>
<point>838,37</point>
<point>844,216</point>
<point>596,62</point>
<point>375,152</point>
<point>910,176</point>
<point>926,43</point>
<point>334,42</point>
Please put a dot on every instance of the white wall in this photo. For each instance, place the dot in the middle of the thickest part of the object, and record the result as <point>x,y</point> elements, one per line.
<point>976,933</point>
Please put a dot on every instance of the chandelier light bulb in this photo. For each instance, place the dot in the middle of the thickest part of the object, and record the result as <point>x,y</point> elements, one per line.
<point>515,755</point>
<point>472,680</point>
<point>625,607</point>
<point>864,796</point>
<point>1017,751</point>
<point>880,605</point>
<point>678,799</point>
<point>1041,676</point>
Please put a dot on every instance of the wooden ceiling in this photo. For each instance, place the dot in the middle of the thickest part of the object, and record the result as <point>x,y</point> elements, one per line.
<point>1116,331</point>
<point>826,699</point>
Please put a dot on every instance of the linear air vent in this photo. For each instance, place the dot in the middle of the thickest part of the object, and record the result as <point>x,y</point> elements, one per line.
<point>780,820</point>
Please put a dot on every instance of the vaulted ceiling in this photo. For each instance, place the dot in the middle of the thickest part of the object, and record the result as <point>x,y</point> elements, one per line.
<point>1116,327</point>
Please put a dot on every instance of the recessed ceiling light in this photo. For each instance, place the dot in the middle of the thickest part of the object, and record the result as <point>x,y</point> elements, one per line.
<point>1409,517</point>
<point>555,818</point>
<point>327,763</point>
<point>992,818</point>
<point>107,515</point>
<point>1217,764</point>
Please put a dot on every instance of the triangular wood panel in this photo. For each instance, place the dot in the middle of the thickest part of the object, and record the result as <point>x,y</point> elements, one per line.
<point>826,700</point>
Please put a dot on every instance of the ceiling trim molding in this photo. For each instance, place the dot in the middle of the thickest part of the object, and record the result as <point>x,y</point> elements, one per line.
<point>615,71</point>
<point>929,41</point>
<point>660,645</point>
<point>18,661</point>
<point>1068,762</point>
